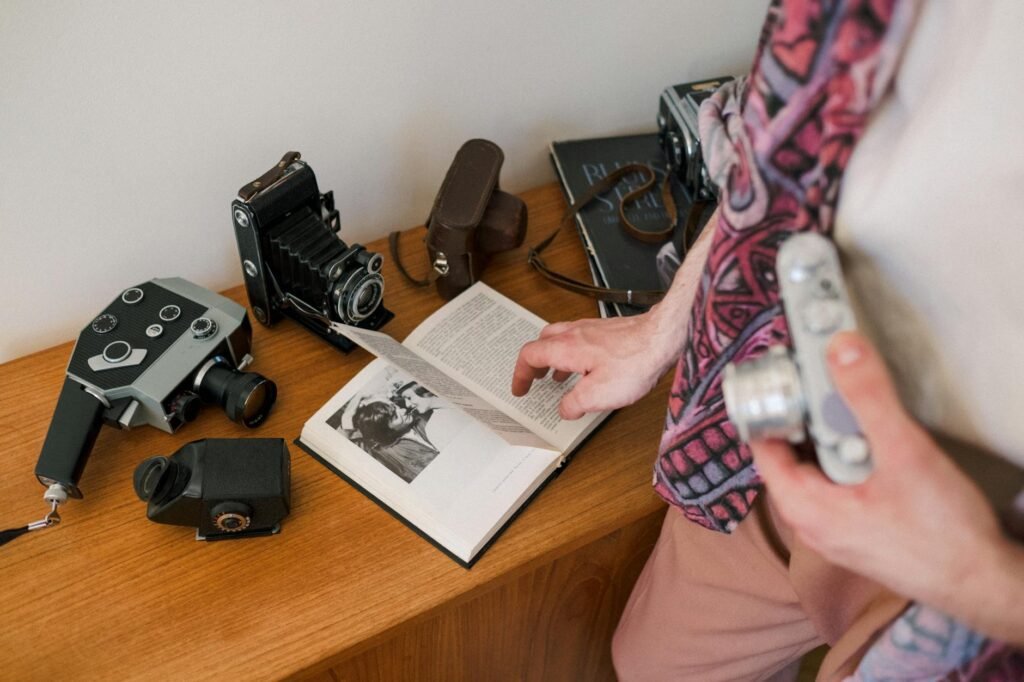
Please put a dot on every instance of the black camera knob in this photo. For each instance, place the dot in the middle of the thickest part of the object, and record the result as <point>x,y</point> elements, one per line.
<point>186,406</point>
<point>231,517</point>
<point>203,328</point>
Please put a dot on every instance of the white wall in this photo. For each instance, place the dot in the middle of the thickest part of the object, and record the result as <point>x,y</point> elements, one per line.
<point>126,128</point>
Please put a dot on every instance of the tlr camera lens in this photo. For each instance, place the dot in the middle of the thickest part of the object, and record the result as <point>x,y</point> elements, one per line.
<point>246,397</point>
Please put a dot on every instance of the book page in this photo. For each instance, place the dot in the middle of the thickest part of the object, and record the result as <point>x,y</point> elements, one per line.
<point>440,469</point>
<point>437,381</point>
<point>476,337</point>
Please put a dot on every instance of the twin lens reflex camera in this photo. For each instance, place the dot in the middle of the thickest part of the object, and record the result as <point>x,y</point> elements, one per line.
<point>679,135</point>
<point>293,261</point>
<point>153,356</point>
<point>787,394</point>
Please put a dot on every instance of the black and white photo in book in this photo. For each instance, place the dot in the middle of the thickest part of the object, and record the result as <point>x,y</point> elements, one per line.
<point>431,431</point>
<point>399,422</point>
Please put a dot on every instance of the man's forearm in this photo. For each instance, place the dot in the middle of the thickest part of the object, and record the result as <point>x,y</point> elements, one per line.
<point>672,313</point>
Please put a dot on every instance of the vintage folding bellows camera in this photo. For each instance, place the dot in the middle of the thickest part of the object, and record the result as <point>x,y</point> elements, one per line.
<point>293,260</point>
<point>680,137</point>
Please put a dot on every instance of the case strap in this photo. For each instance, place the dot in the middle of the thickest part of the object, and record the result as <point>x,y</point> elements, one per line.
<point>439,269</point>
<point>626,296</point>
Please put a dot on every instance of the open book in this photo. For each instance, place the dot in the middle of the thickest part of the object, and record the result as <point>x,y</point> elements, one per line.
<point>431,430</point>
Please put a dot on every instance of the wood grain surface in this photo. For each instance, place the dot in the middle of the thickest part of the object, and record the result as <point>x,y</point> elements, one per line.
<point>110,595</point>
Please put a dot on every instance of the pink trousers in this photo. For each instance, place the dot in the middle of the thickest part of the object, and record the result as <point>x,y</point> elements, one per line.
<point>710,606</point>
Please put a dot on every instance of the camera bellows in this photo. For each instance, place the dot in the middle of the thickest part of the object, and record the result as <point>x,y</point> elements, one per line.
<point>302,249</point>
<point>342,282</point>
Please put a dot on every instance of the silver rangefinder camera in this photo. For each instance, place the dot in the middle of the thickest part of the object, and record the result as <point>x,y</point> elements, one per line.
<point>788,394</point>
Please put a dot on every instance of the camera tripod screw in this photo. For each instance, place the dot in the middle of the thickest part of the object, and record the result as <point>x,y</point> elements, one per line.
<point>260,315</point>
<point>241,218</point>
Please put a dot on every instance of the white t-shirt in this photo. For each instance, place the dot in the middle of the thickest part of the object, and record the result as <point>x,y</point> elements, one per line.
<point>931,223</point>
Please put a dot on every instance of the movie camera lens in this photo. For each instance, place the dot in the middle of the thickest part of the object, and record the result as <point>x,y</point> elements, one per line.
<point>246,397</point>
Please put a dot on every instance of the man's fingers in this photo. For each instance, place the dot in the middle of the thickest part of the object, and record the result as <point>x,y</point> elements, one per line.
<point>570,407</point>
<point>582,399</point>
<point>864,382</point>
<point>805,499</point>
<point>537,356</point>
<point>799,489</point>
<point>780,469</point>
<point>795,486</point>
<point>555,328</point>
<point>561,376</point>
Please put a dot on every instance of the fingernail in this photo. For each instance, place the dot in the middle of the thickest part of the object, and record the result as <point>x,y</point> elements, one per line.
<point>846,352</point>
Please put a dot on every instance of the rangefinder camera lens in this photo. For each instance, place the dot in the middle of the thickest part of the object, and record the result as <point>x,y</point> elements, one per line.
<point>764,397</point>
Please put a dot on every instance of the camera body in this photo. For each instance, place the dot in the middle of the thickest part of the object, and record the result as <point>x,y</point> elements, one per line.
<point>152,356</point>
<point>679,135</point>
<point>293,261</point>
<point>472,219</point>
<point>787,394</point>
<point>224,487</point>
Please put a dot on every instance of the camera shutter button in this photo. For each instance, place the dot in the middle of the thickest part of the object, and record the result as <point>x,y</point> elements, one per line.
<point>116,351</point>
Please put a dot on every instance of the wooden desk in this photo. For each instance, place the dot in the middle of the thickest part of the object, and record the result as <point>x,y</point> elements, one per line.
<point>345,591</point>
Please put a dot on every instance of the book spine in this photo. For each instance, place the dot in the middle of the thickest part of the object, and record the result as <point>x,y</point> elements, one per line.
<point>604,308</point>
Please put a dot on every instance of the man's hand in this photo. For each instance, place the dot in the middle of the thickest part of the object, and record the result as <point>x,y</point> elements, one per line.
<point>917,525</point>
<point>620,359</point>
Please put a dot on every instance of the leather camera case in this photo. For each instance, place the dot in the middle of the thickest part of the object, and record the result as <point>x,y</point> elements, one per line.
<point>472,219</point>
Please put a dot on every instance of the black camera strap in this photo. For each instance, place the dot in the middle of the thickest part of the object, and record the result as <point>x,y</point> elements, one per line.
<point>51,519</point>
<point>436,270</point>
<point>626,296</point>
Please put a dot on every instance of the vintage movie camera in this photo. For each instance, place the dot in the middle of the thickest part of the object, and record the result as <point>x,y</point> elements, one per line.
<point>153,356</point>
<point>293,261</point>
<point>680,137</point>
<point>787,394</point>
<point>224,487</point>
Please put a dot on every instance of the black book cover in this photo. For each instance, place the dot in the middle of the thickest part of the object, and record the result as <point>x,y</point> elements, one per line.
<point>617,260</point>
<point>567,457</point>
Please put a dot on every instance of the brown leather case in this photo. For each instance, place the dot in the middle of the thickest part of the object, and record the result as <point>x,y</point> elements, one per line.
<point>472,219</point>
